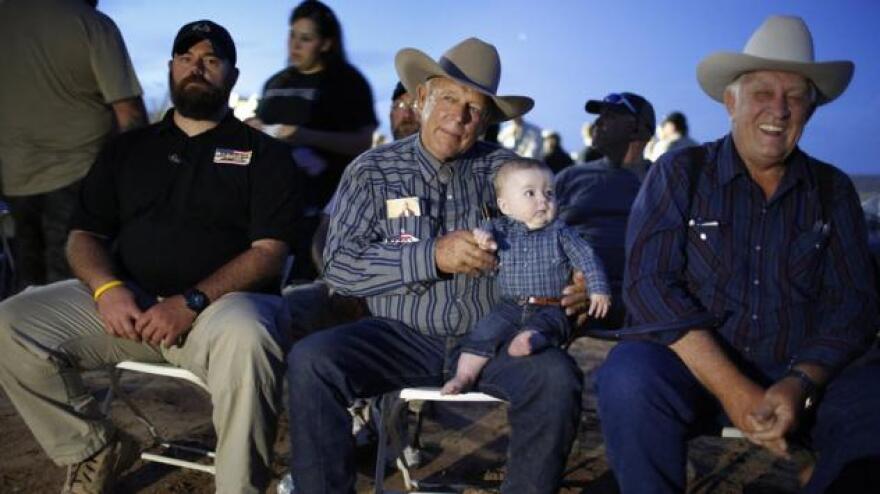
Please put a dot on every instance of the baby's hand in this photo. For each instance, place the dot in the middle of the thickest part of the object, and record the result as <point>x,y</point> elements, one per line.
<point>599,305</point>
<point>484,240</point>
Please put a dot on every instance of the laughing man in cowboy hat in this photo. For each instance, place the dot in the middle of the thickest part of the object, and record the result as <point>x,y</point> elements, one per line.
<point>748,270</point>
<point>402,239</point>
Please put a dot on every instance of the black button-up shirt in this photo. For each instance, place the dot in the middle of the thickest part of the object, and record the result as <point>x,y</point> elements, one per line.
<point>180,207</point>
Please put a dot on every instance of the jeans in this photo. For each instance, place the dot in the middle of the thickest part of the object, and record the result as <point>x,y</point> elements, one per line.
<point>508,318</point>
<point>330,369</point>
<point>650,405</point>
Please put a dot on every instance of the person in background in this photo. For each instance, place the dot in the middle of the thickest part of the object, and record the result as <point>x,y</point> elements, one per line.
<point>323,107</point>
<point>672,134</point>
<point>623,129</point>
<point>555,155</point>
<point>589,151</point>
<point>404,115</point>
<point>749,281</point>
<point>521,137</point>
<point>595,198</point>
<point>66,86</point>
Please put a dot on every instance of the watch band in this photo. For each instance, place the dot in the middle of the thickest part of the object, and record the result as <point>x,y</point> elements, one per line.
<point>807,385</point>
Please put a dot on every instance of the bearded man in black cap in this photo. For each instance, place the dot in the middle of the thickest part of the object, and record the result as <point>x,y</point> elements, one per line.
<point>178,242</point>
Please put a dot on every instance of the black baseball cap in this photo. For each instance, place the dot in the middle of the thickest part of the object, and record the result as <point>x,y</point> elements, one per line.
<point>629,102</point>
<point>194,32</point>
<point>399,91</point>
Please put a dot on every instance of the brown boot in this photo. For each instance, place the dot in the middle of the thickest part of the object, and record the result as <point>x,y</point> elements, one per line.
<point>98,474</point>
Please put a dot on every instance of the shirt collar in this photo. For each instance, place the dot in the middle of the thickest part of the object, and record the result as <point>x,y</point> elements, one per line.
<point>731,165</point>
<point>431,166</point>
<point>225,126</point>
<point>519,227</point>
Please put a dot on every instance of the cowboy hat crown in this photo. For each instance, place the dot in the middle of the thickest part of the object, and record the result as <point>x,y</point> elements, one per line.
<point>782,43</point>
<point>472,62</point>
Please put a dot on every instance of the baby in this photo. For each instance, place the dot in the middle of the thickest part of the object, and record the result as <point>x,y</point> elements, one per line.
<point>536,255</point>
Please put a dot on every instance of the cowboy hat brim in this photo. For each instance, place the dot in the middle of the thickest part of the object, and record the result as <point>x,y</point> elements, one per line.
<point>718,70</point>
<point>415,67</point>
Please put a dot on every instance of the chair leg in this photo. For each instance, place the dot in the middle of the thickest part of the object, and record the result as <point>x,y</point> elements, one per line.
<point>158,438</point>
<point>381,448</point>
<point>116,389</point>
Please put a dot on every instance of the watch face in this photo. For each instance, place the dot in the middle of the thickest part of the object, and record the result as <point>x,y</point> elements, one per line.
<point>196,300</point>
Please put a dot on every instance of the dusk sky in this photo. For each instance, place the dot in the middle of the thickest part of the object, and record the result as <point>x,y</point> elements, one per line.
<point>560,53</point>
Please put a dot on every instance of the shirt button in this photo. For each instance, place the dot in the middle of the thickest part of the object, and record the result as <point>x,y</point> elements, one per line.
<point>747,349</point>
<point>763,210</point>
<point>756,282</point>
<point>449,197</point>
<point>754,317</point>
<point>758,248</point>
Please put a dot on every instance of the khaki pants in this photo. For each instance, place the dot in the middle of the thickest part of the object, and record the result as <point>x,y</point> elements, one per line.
<point>49,334</point>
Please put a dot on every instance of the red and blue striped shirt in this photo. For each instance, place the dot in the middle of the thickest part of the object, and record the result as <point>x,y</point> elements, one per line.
<point>779,280</point>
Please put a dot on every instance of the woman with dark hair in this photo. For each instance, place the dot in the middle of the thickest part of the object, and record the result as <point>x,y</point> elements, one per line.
<point>319,104</point>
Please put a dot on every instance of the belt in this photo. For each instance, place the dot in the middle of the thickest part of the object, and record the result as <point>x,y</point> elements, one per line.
<point>539,301</point>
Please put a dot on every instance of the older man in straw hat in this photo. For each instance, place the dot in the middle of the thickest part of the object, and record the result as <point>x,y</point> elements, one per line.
<point>748,273</point>
<point>402,239</point>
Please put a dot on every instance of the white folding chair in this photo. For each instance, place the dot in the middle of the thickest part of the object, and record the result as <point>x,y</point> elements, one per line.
<point>165,370</point>
<point>391,412</point>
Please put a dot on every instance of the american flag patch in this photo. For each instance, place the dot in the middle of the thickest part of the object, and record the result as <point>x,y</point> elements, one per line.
<point>232,157</point>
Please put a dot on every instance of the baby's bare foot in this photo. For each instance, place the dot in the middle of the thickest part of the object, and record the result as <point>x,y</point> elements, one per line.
<point>521,344</point>
<point>526,343</point>
<point>466,373</point>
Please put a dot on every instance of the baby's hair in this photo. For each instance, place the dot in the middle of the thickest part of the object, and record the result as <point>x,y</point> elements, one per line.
<point>517,164</point>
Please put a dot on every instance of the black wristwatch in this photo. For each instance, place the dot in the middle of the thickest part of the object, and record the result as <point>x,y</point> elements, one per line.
<point>196,300</point>
<point>809,387</point>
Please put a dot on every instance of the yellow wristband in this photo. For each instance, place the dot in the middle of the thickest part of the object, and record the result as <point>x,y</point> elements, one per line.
<point>106,286</point>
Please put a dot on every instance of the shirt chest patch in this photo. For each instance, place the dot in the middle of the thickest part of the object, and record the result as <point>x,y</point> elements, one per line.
<point>224,156</point>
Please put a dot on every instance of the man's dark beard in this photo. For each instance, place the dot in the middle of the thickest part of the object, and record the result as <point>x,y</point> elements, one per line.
<point>198,103</point>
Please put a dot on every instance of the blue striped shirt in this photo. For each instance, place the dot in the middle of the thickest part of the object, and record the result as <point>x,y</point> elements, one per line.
<point>774,281</point>
<point>390,261</point>
<point>539,262</point>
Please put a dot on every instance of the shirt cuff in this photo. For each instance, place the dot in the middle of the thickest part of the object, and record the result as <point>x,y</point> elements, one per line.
<point>417,262</point>
<point>832,358</point>
<point>598,287</point>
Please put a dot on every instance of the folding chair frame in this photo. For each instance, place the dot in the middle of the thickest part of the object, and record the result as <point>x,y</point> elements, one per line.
<point>166,370</point>
<point>392,407</point>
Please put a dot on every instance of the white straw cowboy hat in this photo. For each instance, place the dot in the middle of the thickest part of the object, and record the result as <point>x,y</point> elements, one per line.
<point>472,62</point>
<point>781,43</point>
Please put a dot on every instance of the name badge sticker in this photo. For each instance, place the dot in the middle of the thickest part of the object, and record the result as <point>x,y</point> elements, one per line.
<point>403,207</point>
<point>232,157</point>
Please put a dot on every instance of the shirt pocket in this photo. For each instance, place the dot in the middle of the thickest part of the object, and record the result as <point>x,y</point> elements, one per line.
<point>804,266</point>
<point>706,249</point>
<point>408,229</point>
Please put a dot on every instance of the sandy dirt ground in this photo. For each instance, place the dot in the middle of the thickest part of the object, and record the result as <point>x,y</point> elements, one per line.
<point>459,443</point>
